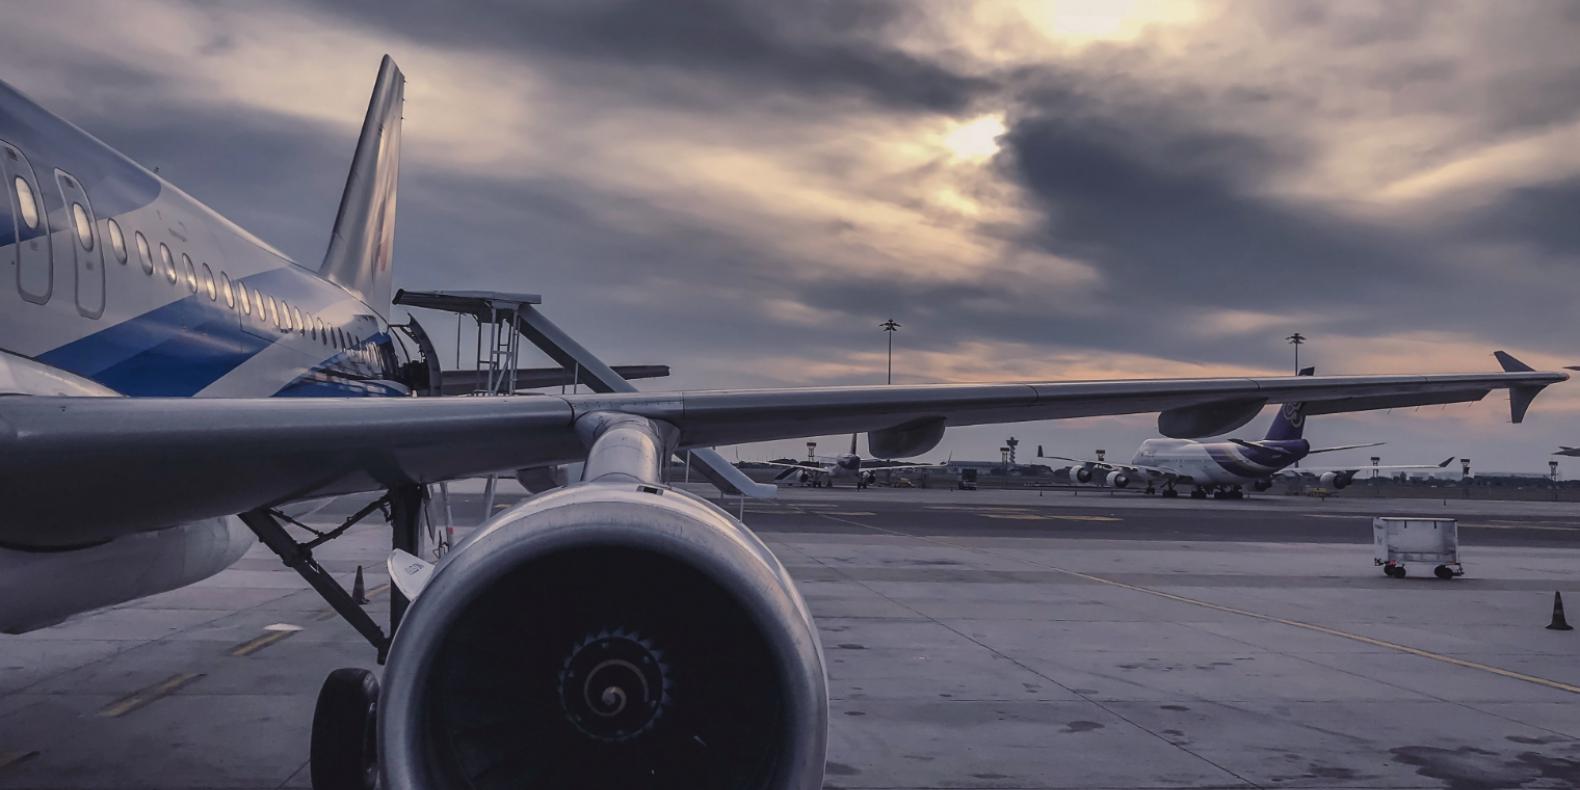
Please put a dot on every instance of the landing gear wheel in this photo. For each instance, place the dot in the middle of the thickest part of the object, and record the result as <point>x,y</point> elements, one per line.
<point>1443,572</point>
<point>1198,494</point>
<point>1169,493</point>
<point>344,753</point>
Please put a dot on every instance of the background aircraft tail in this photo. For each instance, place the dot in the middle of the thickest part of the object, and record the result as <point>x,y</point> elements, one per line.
<point>363,240</point>
<point>1290,422</point>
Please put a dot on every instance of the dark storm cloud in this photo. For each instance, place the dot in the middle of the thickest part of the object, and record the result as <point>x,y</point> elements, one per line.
<point>741,50</point>
<point>1545,216</point>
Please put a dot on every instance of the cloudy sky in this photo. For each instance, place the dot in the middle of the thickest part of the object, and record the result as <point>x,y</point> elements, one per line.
<point>1043,190</point>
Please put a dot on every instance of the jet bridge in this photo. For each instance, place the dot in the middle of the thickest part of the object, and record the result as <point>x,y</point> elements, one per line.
<point>505,319</point>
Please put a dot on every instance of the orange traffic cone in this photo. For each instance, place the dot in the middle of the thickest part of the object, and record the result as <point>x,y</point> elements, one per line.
<point>1559,623</point>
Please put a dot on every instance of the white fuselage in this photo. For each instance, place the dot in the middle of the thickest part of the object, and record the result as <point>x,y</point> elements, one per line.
<point>1217,463</point>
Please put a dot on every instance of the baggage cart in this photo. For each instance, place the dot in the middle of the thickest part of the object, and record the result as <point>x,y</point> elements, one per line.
<point>1424,540</point>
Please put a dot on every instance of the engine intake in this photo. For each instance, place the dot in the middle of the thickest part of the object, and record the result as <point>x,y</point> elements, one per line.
<point>606,635</point>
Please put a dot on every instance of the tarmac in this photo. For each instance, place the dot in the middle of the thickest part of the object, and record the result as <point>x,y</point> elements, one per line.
<point>975,639</point>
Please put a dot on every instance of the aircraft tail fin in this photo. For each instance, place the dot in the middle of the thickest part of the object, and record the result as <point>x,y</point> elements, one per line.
<point>362,243</point>
<point>1290,422</point>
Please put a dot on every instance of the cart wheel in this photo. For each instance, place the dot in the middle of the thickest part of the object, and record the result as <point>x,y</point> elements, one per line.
<point>1443,572</point>
<point>1398,571</point>
<point>1388,571</point>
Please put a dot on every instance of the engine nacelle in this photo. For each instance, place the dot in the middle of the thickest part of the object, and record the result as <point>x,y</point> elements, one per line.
<point>41,588</point>
<point>868,478</point>
<point>1117,479</point>
<point>606,635</point>
<point>1335,480</point>
<point>1080,474</point>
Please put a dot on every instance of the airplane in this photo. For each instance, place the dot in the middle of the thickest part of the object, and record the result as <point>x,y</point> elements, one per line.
<point>820,471</point>
<point>1224,469</point>
<point>1564,449</point>
<point>171,382</point>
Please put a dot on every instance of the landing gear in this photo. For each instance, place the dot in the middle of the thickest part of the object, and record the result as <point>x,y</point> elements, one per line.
<point>1150,491</point>
<point>1169,493</point>
<point>344,752</point>
<point>1198,493</point>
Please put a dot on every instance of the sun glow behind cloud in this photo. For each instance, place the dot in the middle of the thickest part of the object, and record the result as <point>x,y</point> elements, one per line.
<point>976,140</point>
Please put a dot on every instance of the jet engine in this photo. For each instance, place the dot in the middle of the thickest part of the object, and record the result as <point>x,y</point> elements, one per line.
<point>1336,480</point>
<point>1080,474</point>
<point>1117,479</point>
<point>606,635</point>
<point>867,478</point>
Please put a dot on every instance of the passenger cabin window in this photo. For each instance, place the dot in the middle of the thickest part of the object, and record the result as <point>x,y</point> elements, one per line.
<point>224,285</point>
<point>208,283</point>
<point>26,203</point>
<point>168,260</point>
<point>296,319</point>
<point>186,263</point>
<point>143,254</point>
<point>257,303</point>
<point>243,298</point>
<point>117,241</point>
<point>79,220</point>
<point>285,315</point>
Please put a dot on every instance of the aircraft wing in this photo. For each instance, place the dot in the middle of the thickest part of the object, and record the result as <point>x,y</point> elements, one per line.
<point>1317,470</point>
<point>1345,447</point>
<point>1139,470</point>
<point>158,461</point>
<point>807,467</point>
<point>866,468</point>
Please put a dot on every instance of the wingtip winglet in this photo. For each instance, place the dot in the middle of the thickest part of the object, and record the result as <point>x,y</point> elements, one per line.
<point>1446,462</point>
<point>1510,363</point>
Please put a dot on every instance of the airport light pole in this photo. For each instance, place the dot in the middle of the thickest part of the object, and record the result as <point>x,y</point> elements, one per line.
<point>889,328</point>
<point>1295,340</point>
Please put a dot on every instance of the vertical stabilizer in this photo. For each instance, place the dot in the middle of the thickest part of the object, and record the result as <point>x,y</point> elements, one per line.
<point>363,240</point>
<point>1290,421</point>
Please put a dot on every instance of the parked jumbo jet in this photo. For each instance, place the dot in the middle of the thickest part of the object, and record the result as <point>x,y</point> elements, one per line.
<point>1224,469</point>
<point>172,380</point>
<point>819,471</point>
